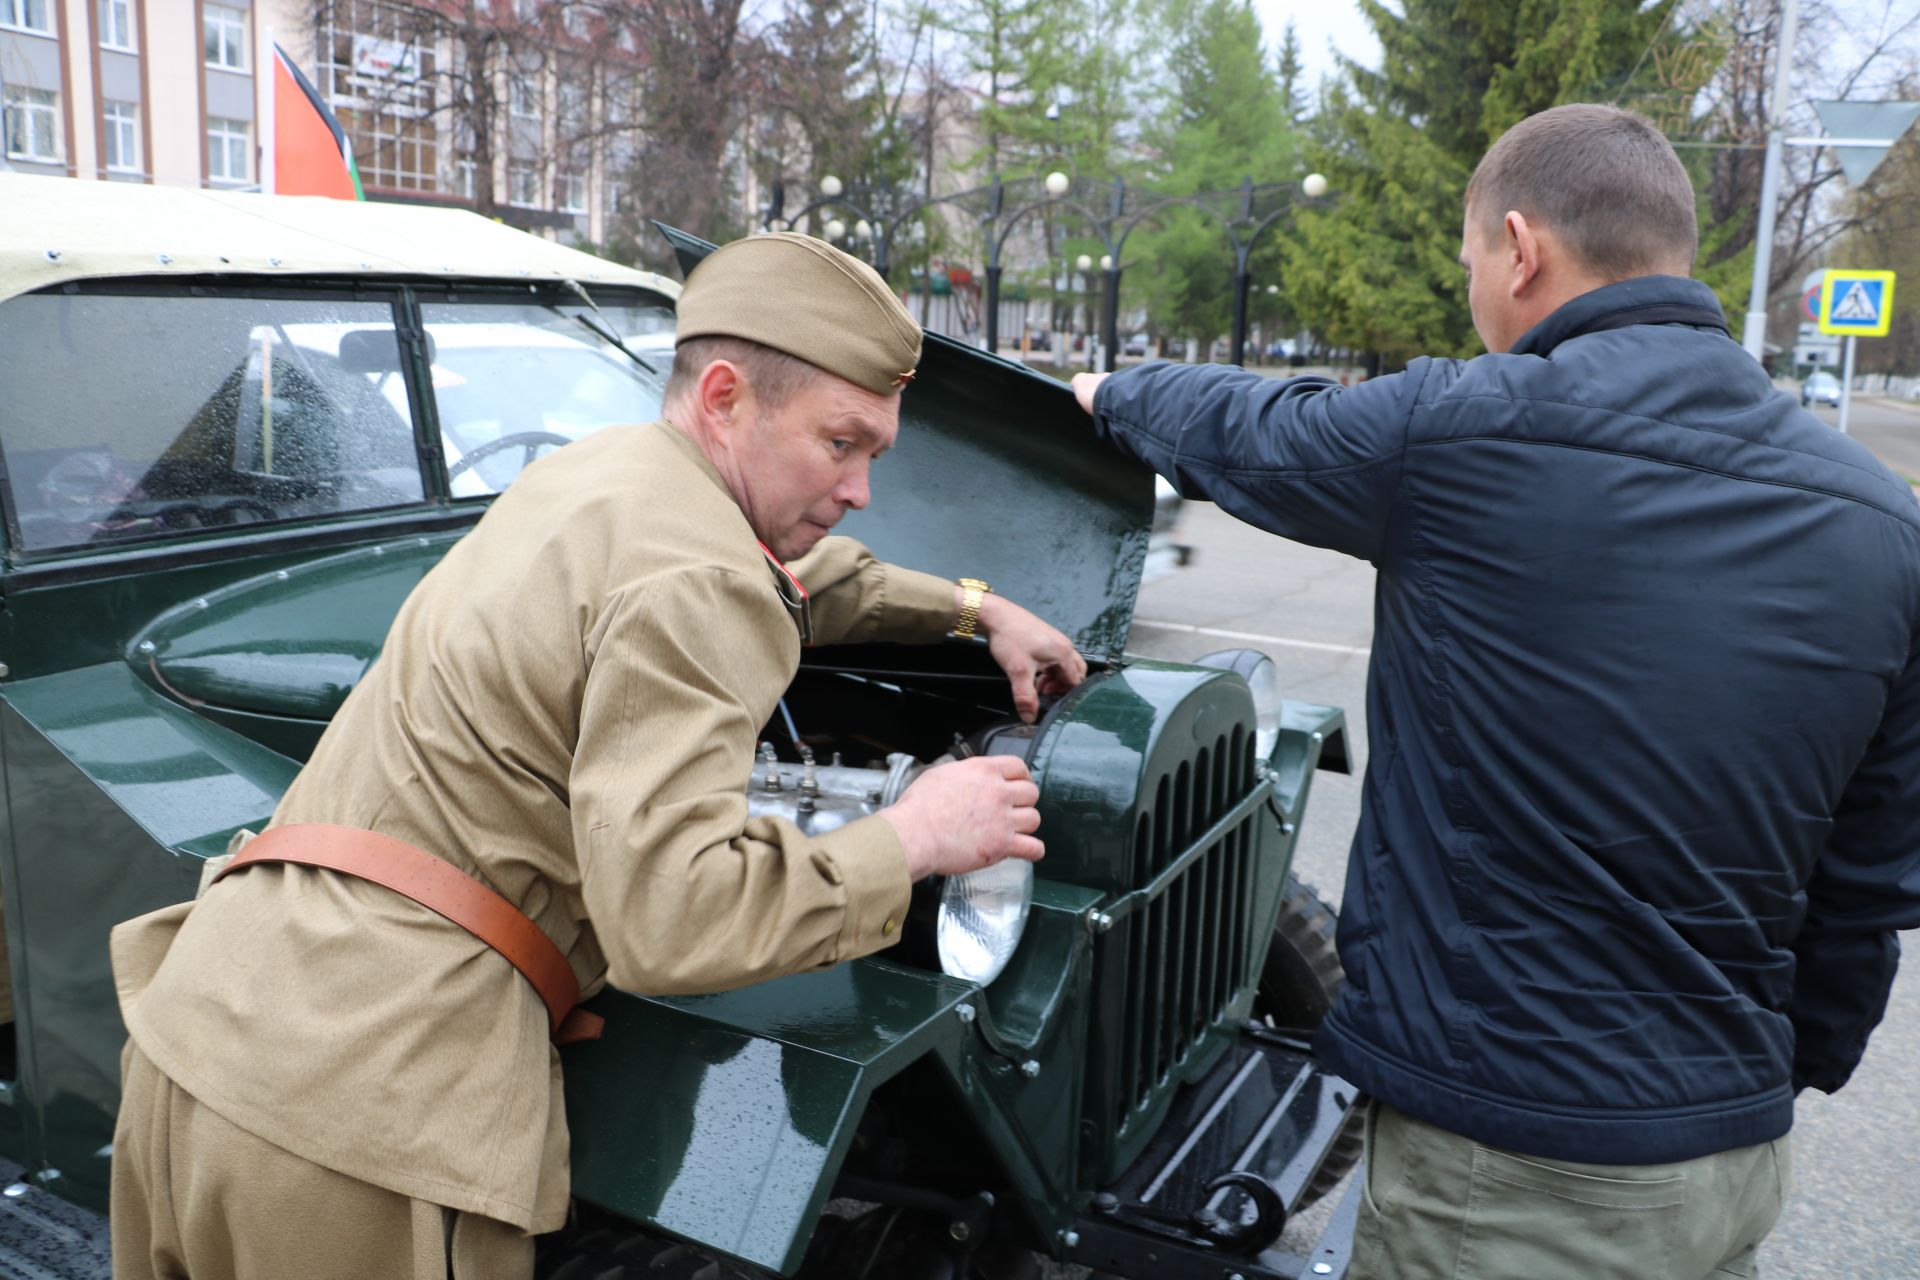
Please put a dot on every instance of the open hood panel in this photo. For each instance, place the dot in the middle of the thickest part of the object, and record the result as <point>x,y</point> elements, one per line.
<point>999,475</point>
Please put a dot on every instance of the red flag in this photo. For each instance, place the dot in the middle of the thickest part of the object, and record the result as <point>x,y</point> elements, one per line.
<point>309,153</point>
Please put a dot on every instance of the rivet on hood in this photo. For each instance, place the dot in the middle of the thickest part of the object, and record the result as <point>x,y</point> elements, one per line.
<point>53,255</point>
<point>164,259</point>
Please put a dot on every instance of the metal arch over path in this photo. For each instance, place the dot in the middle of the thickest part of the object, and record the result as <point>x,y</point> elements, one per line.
<point>888,214</point>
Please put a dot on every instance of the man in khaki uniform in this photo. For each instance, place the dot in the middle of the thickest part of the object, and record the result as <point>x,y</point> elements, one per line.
<point>326,1078</point>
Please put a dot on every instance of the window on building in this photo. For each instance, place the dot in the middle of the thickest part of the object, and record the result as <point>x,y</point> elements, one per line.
<point>526,10</point>
<point>379,70</point>
<point>570,192</point>
<point>573,109</point>
<point>116,24</point>
<point>28,15</point>
<point>225,34</point>
<point>464,178</point>
<point>523,98</point>
<point>121,139</point>
<point>229,150</point>
<point>616,190</point>
<point>575,18</point>
<point>33,125</point>
<point>523,186</point>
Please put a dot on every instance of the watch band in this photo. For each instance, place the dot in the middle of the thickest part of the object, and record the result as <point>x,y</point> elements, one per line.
<point>973,593</point>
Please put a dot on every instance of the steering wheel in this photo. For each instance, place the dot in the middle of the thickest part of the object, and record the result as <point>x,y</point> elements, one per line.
<point>531,441</point>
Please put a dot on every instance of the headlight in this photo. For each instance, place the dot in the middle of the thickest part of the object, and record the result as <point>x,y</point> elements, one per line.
<point>981,917</point>
<point>1257,669</point>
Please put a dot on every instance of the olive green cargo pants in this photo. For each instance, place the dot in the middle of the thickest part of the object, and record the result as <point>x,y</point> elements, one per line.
<point>195,1196</point>
<point>1439,1206</point>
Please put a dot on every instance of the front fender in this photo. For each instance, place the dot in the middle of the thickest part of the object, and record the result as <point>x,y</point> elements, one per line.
<point>725,1119</point>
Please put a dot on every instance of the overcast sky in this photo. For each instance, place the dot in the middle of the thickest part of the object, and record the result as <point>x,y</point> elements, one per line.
<point>1323,27</point>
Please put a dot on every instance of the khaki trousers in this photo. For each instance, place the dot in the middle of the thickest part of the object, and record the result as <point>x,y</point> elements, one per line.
<point>196,1197</point>
<point>1439,1206</point>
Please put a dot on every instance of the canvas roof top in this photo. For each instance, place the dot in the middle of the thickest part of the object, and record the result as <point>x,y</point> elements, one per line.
<point>53,230</point>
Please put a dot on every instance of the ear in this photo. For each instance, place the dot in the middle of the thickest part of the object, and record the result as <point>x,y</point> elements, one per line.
<point>1523,248</point>
<point>720,396</point>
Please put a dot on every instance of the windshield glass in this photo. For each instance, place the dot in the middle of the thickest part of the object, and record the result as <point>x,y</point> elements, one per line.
<point>515,381</point>
<point>126,417</point>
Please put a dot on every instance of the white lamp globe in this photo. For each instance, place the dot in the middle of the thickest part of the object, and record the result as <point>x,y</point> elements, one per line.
<point>1106,262</point>
<point>830,186</point>
<point>1083,262</point>
<point>1273,288</point>
<point>1315,185</point>
<point>836,229</point>
<point>1057,183</point>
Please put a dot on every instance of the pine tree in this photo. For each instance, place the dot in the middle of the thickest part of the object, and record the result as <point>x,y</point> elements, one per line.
<point>1379,270</point>
<point>1290,71</point>
<point>1223,119</point>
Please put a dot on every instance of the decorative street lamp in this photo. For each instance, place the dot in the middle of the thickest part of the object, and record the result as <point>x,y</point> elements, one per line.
<point>1058,183</point>
<point>1315,185</point>
<point>830,186</point>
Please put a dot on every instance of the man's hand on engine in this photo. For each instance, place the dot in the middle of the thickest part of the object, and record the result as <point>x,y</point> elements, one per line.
<point>968,814</point>
<point>1036,657</point>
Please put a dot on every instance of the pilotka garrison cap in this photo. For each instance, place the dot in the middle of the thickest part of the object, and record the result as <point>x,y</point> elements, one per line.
<point>801,295</point>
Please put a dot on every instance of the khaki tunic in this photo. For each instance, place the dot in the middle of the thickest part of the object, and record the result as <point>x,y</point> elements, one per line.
<point>566,706</point>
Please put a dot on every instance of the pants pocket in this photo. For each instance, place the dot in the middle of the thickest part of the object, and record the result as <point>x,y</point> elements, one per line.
<point>1533,1220</point>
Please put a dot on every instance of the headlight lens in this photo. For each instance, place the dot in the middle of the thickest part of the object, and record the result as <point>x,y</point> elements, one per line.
<point>1257,669</point>
<point>982,915</point>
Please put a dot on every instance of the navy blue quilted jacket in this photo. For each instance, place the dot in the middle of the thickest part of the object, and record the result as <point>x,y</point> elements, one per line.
<point>1643,808</point>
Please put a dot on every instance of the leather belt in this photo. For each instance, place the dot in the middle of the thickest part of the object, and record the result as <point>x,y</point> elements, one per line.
<point>441,887</point>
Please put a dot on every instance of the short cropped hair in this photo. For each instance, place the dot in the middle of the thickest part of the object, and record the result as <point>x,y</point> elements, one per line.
<point>774,375</point>
<point>1606,181</point>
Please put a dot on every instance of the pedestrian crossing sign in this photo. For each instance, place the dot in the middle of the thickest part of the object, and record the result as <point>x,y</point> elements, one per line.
<point>1857,303</point>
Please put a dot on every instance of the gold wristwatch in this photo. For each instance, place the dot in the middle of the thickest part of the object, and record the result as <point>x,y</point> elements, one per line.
<point>973,594</point>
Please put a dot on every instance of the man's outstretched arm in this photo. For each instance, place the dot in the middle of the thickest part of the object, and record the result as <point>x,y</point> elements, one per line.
<point>1304,458</point>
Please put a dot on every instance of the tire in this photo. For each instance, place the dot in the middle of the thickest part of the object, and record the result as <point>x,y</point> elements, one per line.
<point>1298,983</point>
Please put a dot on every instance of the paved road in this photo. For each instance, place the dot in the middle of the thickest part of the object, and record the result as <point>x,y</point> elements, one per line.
<point>1891,428</point>
<point>1855,1210</point>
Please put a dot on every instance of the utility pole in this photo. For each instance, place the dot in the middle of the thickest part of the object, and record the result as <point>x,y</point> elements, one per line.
<point>1755,336</point>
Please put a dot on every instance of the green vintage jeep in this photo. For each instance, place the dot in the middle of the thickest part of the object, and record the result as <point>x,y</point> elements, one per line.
<point>236,430</point>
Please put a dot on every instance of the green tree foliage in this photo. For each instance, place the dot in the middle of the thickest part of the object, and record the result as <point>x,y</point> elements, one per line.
<point>1223,118</point>
<point>817,106</point>
<point>1379,269</point>
<point>1290,72</point>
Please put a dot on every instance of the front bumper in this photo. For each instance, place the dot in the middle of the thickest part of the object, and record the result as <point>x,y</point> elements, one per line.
<point>1211,1194</point>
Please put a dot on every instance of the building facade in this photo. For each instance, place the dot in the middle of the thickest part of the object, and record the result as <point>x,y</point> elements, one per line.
<point>175,91</point>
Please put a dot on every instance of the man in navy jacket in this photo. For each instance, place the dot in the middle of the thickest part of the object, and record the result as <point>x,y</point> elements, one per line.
<point>1643,812</point>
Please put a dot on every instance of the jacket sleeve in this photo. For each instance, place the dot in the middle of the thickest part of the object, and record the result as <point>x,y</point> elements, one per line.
<point>856,597</point>
<point>1304,458</point>
<point>686,893</point>
<point>1865,886</point>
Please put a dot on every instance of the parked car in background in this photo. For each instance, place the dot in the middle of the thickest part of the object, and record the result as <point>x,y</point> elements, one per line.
<point>1820,387</point>
<point>1137,345</point>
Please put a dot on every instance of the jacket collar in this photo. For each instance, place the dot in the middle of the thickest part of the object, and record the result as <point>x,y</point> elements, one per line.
<point>1642,300</point>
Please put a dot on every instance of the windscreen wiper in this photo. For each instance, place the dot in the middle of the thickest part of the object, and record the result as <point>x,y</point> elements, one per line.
<point>602,330</point>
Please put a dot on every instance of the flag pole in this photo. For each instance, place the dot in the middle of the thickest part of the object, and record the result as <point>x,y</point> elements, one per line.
<point>267,172</point>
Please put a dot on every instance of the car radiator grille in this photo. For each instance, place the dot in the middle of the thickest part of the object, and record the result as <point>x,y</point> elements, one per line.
<point>1186,952</point>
